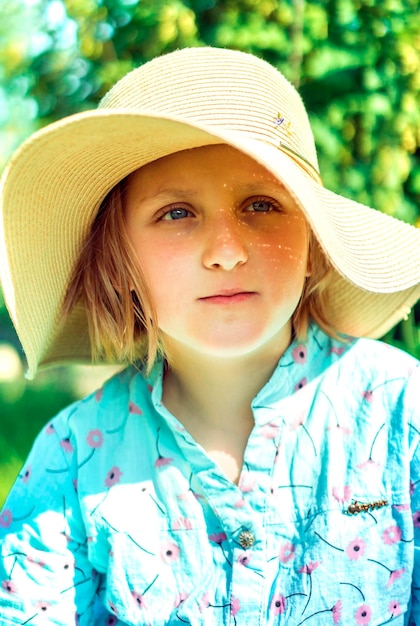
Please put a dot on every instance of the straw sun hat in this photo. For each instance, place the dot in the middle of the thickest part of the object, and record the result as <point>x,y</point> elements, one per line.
<point>55,182</point>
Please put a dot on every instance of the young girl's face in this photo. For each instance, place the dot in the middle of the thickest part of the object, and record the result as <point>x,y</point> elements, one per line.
<point>223,248</point>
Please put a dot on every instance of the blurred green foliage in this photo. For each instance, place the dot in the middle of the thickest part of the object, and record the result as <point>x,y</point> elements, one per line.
<point>356,63</point>
<point>25,408</point>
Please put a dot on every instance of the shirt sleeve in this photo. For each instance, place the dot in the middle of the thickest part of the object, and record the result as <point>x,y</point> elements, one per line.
<point>45,574</point>
<point>413,395</point>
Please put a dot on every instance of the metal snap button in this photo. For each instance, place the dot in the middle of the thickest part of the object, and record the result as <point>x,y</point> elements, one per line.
<point>246,539</point>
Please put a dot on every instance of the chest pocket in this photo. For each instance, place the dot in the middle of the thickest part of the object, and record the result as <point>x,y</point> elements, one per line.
<point>348,569</point>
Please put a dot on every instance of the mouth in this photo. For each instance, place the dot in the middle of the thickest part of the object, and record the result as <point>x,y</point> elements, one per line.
<point>229,296</point>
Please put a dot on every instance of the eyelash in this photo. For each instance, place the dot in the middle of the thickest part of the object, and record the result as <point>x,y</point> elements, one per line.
<point>164,216</point>
<point>274,206</point>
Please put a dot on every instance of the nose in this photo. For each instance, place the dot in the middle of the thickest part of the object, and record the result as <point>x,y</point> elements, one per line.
<point>225,245</point>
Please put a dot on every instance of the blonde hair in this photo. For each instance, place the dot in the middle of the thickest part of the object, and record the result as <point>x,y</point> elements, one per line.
<point>123,325</point>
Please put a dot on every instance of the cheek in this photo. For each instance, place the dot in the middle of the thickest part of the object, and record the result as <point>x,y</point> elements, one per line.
<point>282,254</point>
<point>167,273</point>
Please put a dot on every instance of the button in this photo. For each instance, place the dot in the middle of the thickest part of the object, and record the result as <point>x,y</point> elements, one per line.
<point>246,539</point>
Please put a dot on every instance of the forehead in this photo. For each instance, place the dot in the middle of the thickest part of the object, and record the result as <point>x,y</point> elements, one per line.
<point>207,164</point>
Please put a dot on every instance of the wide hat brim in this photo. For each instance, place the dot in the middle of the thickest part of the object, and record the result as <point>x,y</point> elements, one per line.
<point>54,184</point>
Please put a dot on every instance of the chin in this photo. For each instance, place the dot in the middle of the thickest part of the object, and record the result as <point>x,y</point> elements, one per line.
<point>231,347</point>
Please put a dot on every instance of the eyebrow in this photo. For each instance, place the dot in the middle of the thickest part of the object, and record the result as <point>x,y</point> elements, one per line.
<point>244,188</point>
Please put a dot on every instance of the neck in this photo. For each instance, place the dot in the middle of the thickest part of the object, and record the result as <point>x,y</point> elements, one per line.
<point>202,387</point>
<point>212,398</point>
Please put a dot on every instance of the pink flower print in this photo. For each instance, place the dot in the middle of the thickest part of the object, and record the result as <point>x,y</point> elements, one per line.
<point>99,394</point>
<point>244,558</point>
<point>66,445</point>
<point>341,494</point>
<point>269,431</point>
<point>412,487</point>
<point>300,354</point>
<point>38,562</point>
<point>416,519</point>
<point>401,507</point>
<point>169,552</point>
<point>368,465</point>
<point>9,586</point>
<point>133,408</point>
<point>111,621</point>
<point>355,549</point>
<point>239,504</point>
<point>95,438</point>
<point>218,538</point>
<point>309,568</point>
<point>368,395</point>
<point>336,611</point>
<point>337,351</point>
<point>298,421</point>
<point>205,602</point>
<point>363,615</point>
<point>139,600</point>
<point>247,482</point>
<point>235,606</point>
<point>50,430</point>
<point>182,522</point>
<point>113,477</point>
<point>278,604</point>
<point>26,474</point>
<point>338,428</point>
<point>42,606</point>
<point>392,535</point>
<point>112,607</point>
<point>180,599</point>
<point>163,461</point>
<point>186,495</point>
<point>301,384</point>
<point>6,518</point>
<point>394,575</point>
<point>394,608</point>
<point>287,552</point>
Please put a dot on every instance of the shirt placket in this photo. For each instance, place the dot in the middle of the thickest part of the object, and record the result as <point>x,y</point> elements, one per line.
<point>242,516</point>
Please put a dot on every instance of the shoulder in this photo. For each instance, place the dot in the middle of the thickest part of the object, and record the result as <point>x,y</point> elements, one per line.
<point>119,396</point>
<point>365,377</point>
<point>355,362</point>
<point>379,355</point>
<point>377,365</point>
<point>369,359</point>
<point>379,384</point>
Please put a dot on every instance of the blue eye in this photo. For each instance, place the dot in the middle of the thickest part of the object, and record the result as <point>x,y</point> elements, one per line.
<point>260,206</point>
<point>176,214</point>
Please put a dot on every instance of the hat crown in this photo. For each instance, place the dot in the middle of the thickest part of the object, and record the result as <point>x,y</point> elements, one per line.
<point>224,89</point>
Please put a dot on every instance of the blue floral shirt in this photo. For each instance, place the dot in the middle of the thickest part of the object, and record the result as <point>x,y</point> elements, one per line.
<point>119,517</point>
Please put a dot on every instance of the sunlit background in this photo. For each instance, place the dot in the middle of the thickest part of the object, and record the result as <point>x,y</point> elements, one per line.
<point>356,63</point>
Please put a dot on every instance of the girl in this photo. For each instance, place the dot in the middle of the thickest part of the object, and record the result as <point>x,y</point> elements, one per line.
<point>256,463</point>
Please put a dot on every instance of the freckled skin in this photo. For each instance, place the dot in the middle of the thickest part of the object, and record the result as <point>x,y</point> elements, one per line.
<point>223,247</point>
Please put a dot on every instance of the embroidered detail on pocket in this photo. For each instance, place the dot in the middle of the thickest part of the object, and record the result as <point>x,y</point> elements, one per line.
<point>358,507</point>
